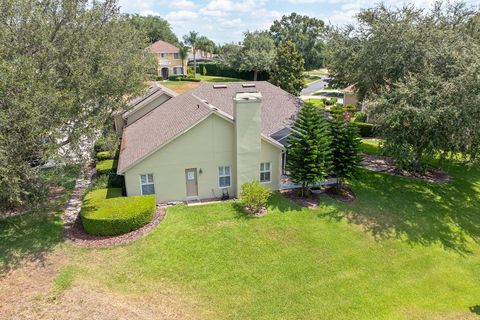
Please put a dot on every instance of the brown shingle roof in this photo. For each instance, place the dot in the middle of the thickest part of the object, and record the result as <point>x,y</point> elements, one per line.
<point>159,127</point>
<point>163,47</point>
<point>278,106</point>
<point>178,114</point>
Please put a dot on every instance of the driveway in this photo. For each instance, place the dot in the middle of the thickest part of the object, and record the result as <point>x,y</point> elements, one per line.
<point>315,86</point>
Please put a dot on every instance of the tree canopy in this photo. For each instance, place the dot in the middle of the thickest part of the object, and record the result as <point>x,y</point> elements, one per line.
<point>306,32</point>
<point>420,68</point>
<point>257,52</point>
<point>287,70</point>
<point>154,27</point>
<point>65,67</point>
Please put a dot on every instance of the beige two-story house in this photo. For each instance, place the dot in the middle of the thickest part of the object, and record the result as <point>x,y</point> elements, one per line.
<point>207,142</point>
<point>168,59</point>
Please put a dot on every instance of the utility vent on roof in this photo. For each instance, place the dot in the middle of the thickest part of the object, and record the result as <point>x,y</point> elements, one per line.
<point>219,86</point>
<point>248,85</point>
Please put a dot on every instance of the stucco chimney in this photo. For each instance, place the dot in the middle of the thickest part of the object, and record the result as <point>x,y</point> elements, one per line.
<point>247,107</point>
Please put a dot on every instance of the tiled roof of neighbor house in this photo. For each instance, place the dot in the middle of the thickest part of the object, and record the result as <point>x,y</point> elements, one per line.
<point>162,46</point>
<point>180,113</point>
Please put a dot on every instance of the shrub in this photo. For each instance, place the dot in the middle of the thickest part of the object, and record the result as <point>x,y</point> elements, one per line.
<point>254,196</point>
<point>359,117</point>
<point>106,213</point>
<point>99,144</point>
<point>176,77</point>
<point>106,167</point>
<point>217,69</point>
<point>367,130</point>
<point>103,155</point>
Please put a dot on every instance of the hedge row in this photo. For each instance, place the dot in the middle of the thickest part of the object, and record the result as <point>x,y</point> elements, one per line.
<point>103,155</point>
<point>367,130</point>
<point>106,166</point>
<point>215,69</point>
<point>106,213</point>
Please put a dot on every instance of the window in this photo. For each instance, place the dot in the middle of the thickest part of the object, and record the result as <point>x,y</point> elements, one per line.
<point>162,55</point>
<point>177,70</point>
<point>176,55</point>
<point>265,172</point>
<point>146,181</point>
<point>224,177</point>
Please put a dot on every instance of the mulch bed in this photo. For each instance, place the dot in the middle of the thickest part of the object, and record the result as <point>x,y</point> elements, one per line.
<point>253,213</point>
<point>387,165</point>
<point>311,202</point>
<point>77,235</point>
<point>346,194</point>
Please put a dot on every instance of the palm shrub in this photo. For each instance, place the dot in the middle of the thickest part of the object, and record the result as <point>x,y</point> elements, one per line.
<point>254,196</point>
<point>309,155</point>
<point>345,147</point>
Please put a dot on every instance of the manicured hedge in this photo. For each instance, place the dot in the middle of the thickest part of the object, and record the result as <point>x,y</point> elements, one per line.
<point>106,166</point>
<point>106,213</point>
<point>216,69</point>
<point>367,130</point>
<point>99,145</point>
<point>176,77</point>
<point>103,155</point>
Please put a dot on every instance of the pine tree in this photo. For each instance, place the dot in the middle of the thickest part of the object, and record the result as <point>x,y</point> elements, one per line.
<point>308,159</point>
<point>345,146</point>
<point>288,68</point>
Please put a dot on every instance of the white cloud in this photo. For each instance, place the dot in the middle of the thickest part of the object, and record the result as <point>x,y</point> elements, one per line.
<point>213,13</point>
<point>149,13</point>
<point>181,16</point>
<point>182,5</point>
<point>240,6</point>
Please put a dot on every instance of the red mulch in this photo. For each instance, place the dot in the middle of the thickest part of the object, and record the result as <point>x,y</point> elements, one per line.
<point>387,165</point>
<point>310,202</point>
<point>345,195</point>
<point>77,235</point>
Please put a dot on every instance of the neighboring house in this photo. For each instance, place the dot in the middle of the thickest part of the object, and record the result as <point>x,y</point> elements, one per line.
<point>200,55</point>
<point>209,141</point>
<point>350,96</point>
<point>168,58</point>
<point>140,106</point>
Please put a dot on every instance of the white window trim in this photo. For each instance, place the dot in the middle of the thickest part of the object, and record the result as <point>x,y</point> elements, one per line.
<point>222,176</point>
<point>264,171</point>
<point>153,182</point>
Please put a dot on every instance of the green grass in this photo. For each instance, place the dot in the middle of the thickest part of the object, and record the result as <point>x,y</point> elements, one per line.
<point>315,102</point>
<point>404,249</point>
<point>371,146</point>
<point>330,94</point>
<point>218,79</point>
<point>64,279</point>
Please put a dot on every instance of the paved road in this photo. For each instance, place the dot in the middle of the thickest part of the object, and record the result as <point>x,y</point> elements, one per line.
<point>315,86</point>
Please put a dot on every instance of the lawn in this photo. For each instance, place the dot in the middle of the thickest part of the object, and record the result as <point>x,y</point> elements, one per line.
<point>182,86</point>
<point>405,249</point>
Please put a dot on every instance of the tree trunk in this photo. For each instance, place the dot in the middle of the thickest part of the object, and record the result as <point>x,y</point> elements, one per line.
<point>194,64</point>
<point>255,73</point>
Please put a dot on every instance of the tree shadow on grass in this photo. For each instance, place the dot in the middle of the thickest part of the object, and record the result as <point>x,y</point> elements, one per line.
<point>28,238</point>
<point>416,211</point>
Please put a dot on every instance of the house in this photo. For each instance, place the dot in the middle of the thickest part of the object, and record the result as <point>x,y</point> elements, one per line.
<point>140,106</point>
<point>168,58</point>
<point>350,96</point>
<point>208,141</point>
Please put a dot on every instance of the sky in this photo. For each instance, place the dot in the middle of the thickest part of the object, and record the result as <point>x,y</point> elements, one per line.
<point>225,21</point>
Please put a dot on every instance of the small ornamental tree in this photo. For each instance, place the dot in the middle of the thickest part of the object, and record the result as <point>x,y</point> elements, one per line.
<point>287,70</point>
<point>345,146</point>
<point>309,156</point>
